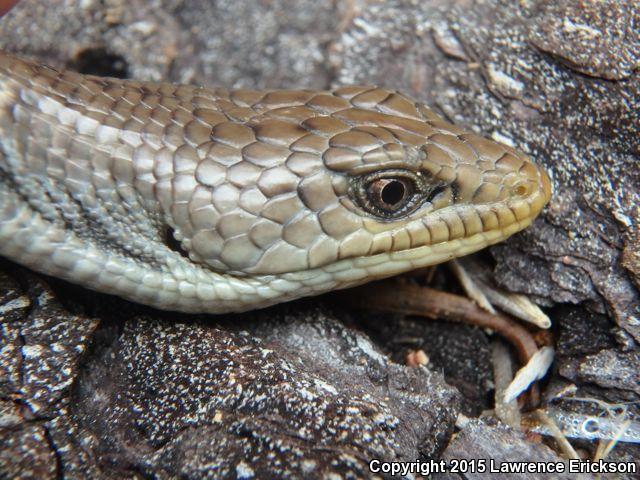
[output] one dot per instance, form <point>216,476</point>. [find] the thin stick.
<point>508,412</point>
<point>412,299</point>
<point>557,434</point>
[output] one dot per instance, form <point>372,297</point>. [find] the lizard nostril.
<point>520,190</point>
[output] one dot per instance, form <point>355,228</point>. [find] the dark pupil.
<point>392,192</point>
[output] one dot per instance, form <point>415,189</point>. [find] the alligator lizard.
<point>212,200</point>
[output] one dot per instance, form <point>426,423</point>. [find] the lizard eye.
<point>392,194</point>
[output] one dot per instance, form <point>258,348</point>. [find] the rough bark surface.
<point>288,391</point>
<point>95,387</point>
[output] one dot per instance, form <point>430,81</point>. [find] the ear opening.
<point>173,244</point>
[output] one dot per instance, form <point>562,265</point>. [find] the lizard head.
<point>360,180</point>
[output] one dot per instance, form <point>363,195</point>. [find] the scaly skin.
<point>271,195</point>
